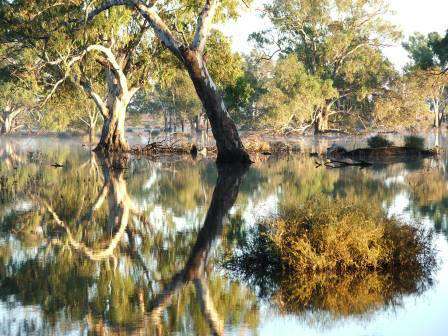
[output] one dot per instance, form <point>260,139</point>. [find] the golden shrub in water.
<point>336,256</point>
<point>339,236</point>
<point>348,294</point>
<point>256,145</point>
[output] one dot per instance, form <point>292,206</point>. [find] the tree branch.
<point>103,7</point>
<point>160,28</point>
<point>116,69</point>
<point>204,24</point>
<point>64,78</point>
<point>133,91</point>
<point>96,98</point>
<point>155,22</point>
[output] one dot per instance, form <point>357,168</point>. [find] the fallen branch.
<point>330,163</point>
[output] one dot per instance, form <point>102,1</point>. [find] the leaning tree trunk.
<point>113,132</point>
<point>228,142</point>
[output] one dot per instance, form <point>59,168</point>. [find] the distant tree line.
<point>318,67</point>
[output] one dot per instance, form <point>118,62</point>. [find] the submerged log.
<point>380,155</point>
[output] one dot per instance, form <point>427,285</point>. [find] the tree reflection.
<point>97,258</point>
<point>134,250</point>
<point>121,208</point>
<point>224,196</point>
<point>297,259</point>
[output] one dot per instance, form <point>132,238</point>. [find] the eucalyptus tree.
<point>401,105</point>
<point>429,58</point>
<point>17,85</point>
<point>427,51</point>
<point>434,86</point>
<point>83,116</point>
<point>175,93</point>
<point>184,32</point>
<point>15,101</point>
<point>182,27</point>
<point>338,44</point>
<point>243,94</point>
<point>110,72</point>
<point>109,59</point>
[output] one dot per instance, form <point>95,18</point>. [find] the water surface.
<point>92,249</point>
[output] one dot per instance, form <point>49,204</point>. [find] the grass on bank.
<point>335,256</point>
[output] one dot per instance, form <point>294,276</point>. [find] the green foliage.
<point>330,68</point>
<point>224,66</point>
<point>428,57</point>
<point>415,142</point>
<point>337,44</point>
<point>378,141</point>
<point>242,97</point>
<point>238,97</point>
<point>293,94</point>
<point>404,103</point>
<point>427,52</point>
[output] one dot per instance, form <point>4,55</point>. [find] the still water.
<point>92,249</point>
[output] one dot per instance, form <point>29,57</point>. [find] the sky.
<point>410,15</point>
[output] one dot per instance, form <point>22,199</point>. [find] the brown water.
<point>91,249</point>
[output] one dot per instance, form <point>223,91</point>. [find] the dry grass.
<point>255,144</point>
<point>335,256</point>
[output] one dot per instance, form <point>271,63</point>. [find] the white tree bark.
<point>8,118</point>
<point>113,107</point>
<point>204,24</point>
<point>230,147</point>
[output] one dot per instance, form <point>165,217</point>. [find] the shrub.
<point>336,256</point>
<point>337,235</point>
<point>415,142</point>
<point>378,141</point>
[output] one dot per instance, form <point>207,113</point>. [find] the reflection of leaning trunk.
<point>208,307</point>
<point>224,196</point>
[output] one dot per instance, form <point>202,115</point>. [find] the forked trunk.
<point>8,120</point>
<point>228,142</point>
<point>113,107</point>
<point>6,126</point>
<point>436,113</point>
<point>113,132</point>
<point>321,122</point>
